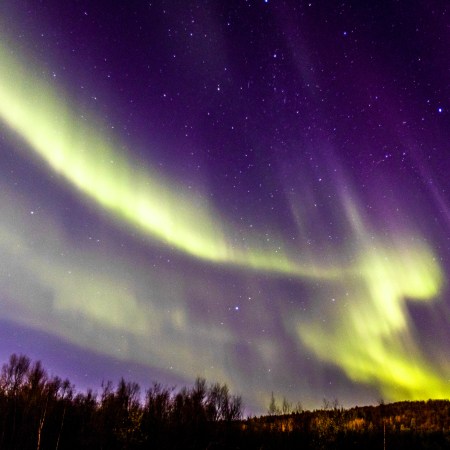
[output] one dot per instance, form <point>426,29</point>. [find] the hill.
<point>408,425</point>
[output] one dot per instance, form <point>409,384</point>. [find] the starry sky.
<point>251,191</point>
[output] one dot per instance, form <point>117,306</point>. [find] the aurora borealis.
<point>251,191</point>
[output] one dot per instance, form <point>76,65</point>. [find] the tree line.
<point>42,412</point>
<point>39,412</point>
<point>410,425</point>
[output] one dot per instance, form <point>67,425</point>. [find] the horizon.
<point>279,407</point>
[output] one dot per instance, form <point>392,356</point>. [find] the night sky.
<point>256,192</point>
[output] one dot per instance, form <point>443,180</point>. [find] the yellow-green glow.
<point>74,148</point>
<point>366,330</point>
<point>92,300</point>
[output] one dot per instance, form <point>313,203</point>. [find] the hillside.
<point>409,425</point>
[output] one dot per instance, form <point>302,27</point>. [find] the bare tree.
<point>273,410</point>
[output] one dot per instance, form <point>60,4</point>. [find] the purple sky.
<point>252,191</point>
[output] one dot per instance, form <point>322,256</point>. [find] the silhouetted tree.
<point>39,412</point>
<point>12,379</point>
<point>273,410</point>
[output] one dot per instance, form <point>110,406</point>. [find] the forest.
<point>38,411</point>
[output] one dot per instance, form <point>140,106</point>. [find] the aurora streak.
<point>344,303</point>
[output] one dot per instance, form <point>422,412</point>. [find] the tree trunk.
<point>41,425</point>
<point>60,429</point>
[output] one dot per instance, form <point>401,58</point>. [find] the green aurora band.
<point>368,332</point>
<point>74,149</point>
